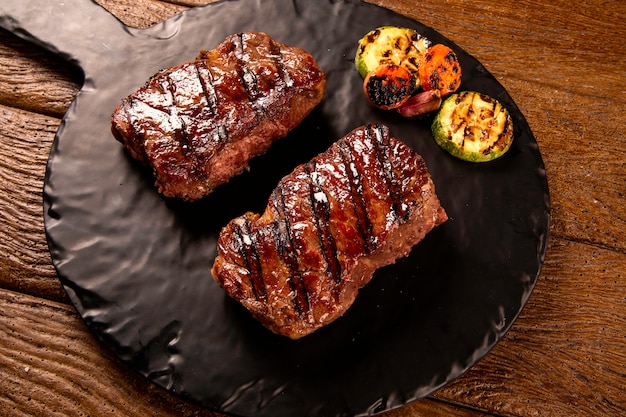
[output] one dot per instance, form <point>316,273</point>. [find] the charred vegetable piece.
<point>391,45</point>
<point>440,70</point>
<point>473,127</point>
<point>421,103</point>
<point>388,86</point>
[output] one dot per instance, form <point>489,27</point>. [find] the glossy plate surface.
<point>137,265</point>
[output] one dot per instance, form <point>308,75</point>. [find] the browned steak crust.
<point>328,226</point>
<point>199,123</point>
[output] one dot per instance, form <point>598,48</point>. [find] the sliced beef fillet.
<point>199,123</point>
<point>328,225</point>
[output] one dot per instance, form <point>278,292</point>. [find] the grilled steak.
<point>199,123</point>
<point>327,227</point>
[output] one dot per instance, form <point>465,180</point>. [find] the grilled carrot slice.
<point>388,86</point>
<point>440,70</point>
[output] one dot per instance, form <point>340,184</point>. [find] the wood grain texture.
<point>584,150</point>
<point>33,79</point>
<point>565,355</point>
<point>26,265</point>
<point>141,14</point>
<point>52,365</point>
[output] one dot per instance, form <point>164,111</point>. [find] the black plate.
<point>137,265</point>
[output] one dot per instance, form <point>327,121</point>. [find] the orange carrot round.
<point>388,86</point>
<point>440,70</point>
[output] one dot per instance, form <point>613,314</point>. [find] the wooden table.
<point>564,63</point>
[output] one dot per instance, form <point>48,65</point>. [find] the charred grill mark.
<point>135,131</point>
<point>171,88</point>
<point>215,141</point>
<point>180,130</point>
<point>238,46</point>
<point>503,137</point>
<point>380,139</point>
<point>221,137</point>
<point>457,115</point>
<point>284,242</point>
<point>164,86</point>
<point>208,88</point>
<point>434,79</point>
<point>364,223</point>
<point>249,82</point>
<point>133,122</point>
<point>137,125</point>
<point>372,36</point>
<point>181,135</point>
<point>321,211</point>
<point>250,255</point>
<point>247,77</point>
<point>277,55</point>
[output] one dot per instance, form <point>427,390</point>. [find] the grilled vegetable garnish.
<point>440,70</point>
<point>421,103</point>
<point>473,126</point>
<point>388,86</point>
<point>391,45</point>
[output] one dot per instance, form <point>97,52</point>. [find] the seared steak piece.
<point>328,226</point>
<point>199,123</point>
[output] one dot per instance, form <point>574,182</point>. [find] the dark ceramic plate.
<point>137,265</point>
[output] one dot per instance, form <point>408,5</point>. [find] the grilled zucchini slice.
<point>473,127</point>
<point>391,45</point>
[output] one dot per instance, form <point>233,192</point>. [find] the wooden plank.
<point>52,365</point>
<point>143,13</point>
<point>430,407</point>
<point>26,265</point>
<point>566,354</point>
<point>586,175</point>
<point>33,79</point>
<point>530,35</point>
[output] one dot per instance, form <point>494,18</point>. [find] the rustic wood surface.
<point>564,63</point>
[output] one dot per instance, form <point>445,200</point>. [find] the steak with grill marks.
<point>328,225</point>
<point>199,123</point>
